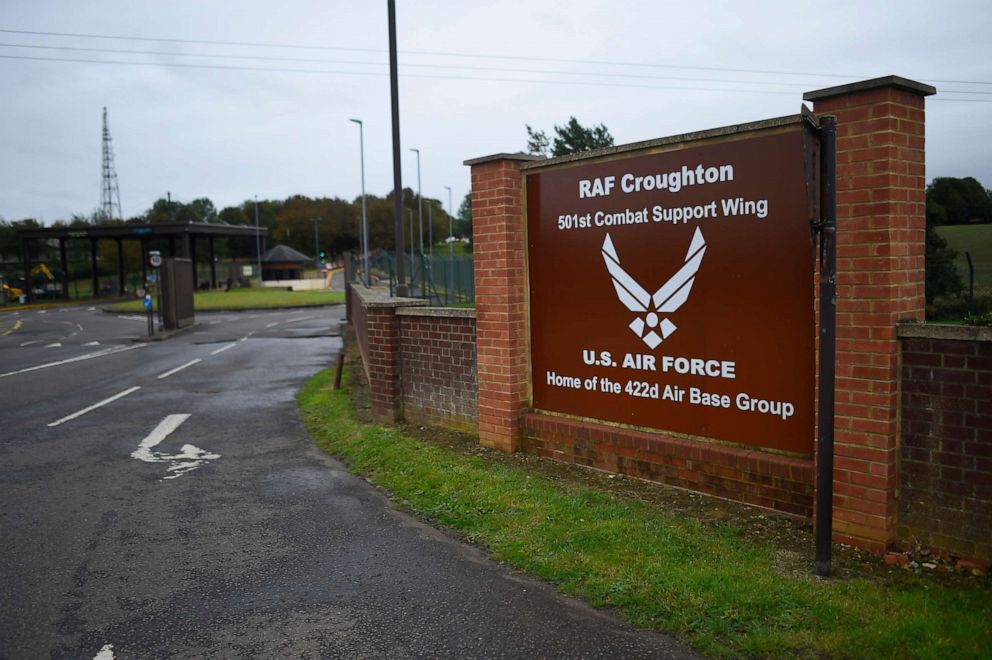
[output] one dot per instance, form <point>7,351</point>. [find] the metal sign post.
<point>828,335</point>
<point>155,261</point>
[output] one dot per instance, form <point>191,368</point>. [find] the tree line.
<point>289,222</point>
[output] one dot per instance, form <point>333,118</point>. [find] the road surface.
<point>163,499</point>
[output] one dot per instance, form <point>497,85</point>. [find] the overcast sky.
<point>472,74</point>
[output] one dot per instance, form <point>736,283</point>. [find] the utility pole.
<point>450,243</point>
<point>420,204</point>
<point>110,198</point>
<point>401,289</point>
<point>430,230</point>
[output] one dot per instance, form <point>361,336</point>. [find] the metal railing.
<point>442,279</point>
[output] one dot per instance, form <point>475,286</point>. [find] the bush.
<point>955,307</point>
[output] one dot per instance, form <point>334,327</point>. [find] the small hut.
<point>283,263</point>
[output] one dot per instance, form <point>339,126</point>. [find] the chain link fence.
<point>444,280</point>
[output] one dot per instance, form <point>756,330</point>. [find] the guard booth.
<point>177,293</point>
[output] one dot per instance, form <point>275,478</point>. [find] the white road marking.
<point>28,343</point>
<point>92,343</point>
<point>178,369</point>
<point>42,311</point>
<point>304,318</point>
<point>132,317</point>
<point>223,348</point>
<point>54,345</point>
<point>189,457</point>
<point>17,324</point>
<point>93,309</point>
<point>82,412</point>
<point>87,356</point>
<point>271,325</point>
<point>106,653</point>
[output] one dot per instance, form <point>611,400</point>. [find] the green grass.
<point>458,249</point>
<point>976,239</point>
<point>716,590</point>
<point>248,298</point>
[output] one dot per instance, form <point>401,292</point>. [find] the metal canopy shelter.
<point>187,233</point>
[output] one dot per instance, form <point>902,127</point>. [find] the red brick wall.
<point>880,275</point>
<point>359,321</point>
<point>373,314</point>
<point>945,482</point>
<point>500,291</point>
<point>769,480</point>
<point>438,366</point>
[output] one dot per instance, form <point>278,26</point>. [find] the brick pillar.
<point>383,363</point>
<point>500,297</point>
<point>881,220</point>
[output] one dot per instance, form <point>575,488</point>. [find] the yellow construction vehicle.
<point>11,292</point>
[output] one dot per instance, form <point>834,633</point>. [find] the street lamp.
<point>365,225</point>
<point>316,241</point>
<point>449,241</point>
<point>420,203</point>
<point>258,244</point>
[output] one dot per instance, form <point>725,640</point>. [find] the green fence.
<point>442,279</point>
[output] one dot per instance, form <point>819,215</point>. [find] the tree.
<point>571,138</point>
<point>234,215</point>
<point>203,209</point>
<point>962,200</point>
<point>942,277</point>
<point>465,216</point>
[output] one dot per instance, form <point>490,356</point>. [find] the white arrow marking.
<point>178,369</point>
<point>82,412</point>
<point>189,457</point>
<point>223,348</point>
<point>106,653</point>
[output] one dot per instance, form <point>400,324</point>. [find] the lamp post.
<point>316,241</point>
<point>365,225</point>
<point>420,203</point>
<point>258,244</point>
<point>450,242</point>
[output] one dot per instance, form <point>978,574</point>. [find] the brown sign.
<point>675,290</point>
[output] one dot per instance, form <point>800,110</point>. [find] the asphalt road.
<point>164,500</point>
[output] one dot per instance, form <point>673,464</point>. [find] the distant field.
<point>249,299</point>
<point>976,239</point>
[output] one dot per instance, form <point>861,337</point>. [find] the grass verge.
<point>718,591</point>
<point>237,299</point>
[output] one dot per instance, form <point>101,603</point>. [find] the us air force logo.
<point>665,300</point>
